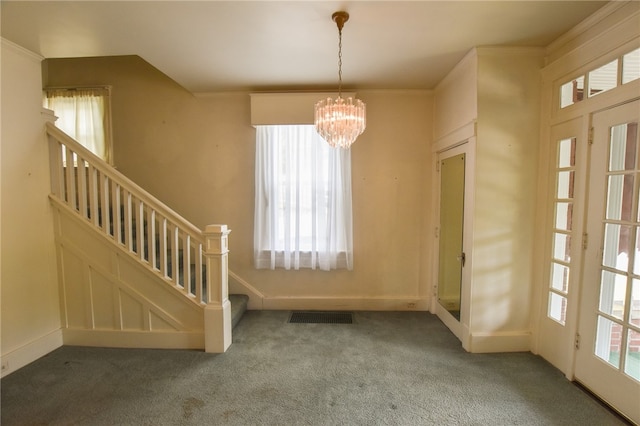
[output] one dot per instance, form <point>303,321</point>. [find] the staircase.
<point>238,307</point>
<point>133,272</point>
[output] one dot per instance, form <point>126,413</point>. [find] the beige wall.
<point>30,306</point>
<point>197,155</point>
<point>456,97</point>
<point>505,182</point>
<point>499,89</point>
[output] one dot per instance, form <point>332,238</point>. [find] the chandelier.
<point>340,121</point>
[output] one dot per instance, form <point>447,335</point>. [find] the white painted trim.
<point>582,27</point>
<point>613,97</point>
<point>466,338</point>
<point>26,354</point>
<point>108,243</point>
<point>134,339</point>
<point>447,319</point>
<point>417,92</point>
<point>217,327</point>
<point>456,137</point>
<point>221,94</point>
<point>512,341</point>
<point>407,303</point>
<point>363,92</point>
<point>593,51</point>
<point>21,50</point>
<point>511,51</point>
<point>48,115</point>
<point>256,298</point>
<point>453,74</point>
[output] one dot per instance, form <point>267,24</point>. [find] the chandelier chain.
<point>340,121</point>
<point>339,62</point>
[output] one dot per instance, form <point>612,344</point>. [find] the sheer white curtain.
<point>303,200</point>
<point>81,115</point>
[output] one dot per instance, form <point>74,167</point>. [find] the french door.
<point>608,356</point>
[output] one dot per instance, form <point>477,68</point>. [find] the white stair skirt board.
<point>134,339</point>
<point>26,354</point>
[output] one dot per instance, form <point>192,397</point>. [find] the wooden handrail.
<point>142,225</point>
<point>121,179</point>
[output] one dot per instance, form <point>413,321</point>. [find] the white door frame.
<point>461,329</point>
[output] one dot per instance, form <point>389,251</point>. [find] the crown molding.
<point>8,44</point>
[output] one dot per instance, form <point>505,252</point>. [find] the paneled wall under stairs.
<point>109,299</point>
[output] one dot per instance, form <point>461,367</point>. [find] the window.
<point>302,200</point>
<point>83,114</point>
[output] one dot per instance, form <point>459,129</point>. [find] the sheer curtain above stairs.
<point>132,272</point>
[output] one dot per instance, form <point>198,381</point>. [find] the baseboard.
<point>514,341</point>
<point>134,339</point>
<point>30,352</point>
<point>345,304</point>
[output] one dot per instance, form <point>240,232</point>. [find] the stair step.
<point>238,307</point>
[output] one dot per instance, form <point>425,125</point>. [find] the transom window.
<point>622,70</point>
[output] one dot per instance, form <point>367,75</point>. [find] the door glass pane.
<point>616,246</point>
<point>557,307</point>
<point>559,277</point>
<point>565,184</point>
<point>636,262</point>
<point>622,154</point>
<point>632,360</point>
<point>631,66</point>
<point>612,293</point>
<point>603,78</point>
<point>608,336</point>
<point>564,212</point>
<point>619,197</point>
<point>561,236</point>
<point>567,153</point>
<point>562,247</point>
<point>634,315</point>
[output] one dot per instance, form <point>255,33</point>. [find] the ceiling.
<point>209,46</point>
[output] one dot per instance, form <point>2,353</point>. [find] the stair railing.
<point>136,221</point>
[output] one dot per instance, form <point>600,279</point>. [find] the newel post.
<point>217,313</point>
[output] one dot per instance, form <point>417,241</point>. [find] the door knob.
<point>462,258</point>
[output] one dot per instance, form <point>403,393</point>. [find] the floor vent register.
<point>313,317</point>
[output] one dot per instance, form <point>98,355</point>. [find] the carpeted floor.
<point>385,369</point>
